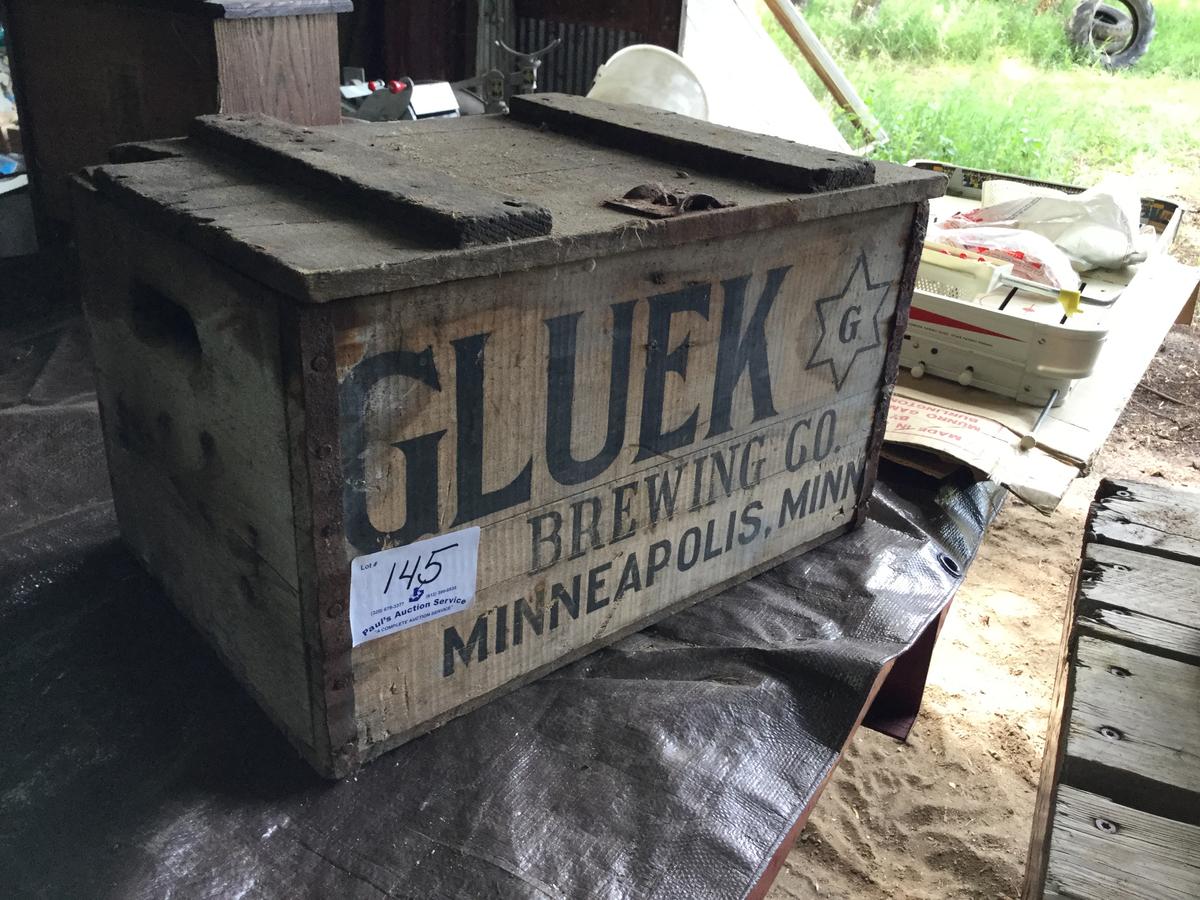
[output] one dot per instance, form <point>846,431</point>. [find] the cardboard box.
<point>405,415</point>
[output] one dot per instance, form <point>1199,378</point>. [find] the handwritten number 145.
<point>421,573</point>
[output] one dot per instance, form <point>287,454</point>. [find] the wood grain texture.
<point>91,75</point>
<point>284,66</point>
<point>422,203</point>
<point>1151,702</point>
<point>1148,601</point>
<point>191,399</point>
<point>635,415</point>
<point>1033,886</point>
<point>307,341</point>
<point>687,142</point>
<point>216,9</point>
<point>303,245</point>
<point>1148,518</point>
<point>1102,851</point>
<point>1122,746</point>
<point>402,682</point>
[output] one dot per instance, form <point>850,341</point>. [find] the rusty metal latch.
<point>657,202</point>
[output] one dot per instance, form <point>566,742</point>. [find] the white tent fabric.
<point>749,82</point>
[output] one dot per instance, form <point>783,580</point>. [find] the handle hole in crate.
<point>160,322</point>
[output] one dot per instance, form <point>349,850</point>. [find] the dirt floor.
<point>947,814</point>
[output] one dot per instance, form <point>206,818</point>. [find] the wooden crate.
<point>1118,806</point>
<point>320,348</point>
<point>90,75</point>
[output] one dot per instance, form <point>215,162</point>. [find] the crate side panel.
<point>188,373</point>
<point>493,402</point>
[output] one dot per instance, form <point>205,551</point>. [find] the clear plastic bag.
<point>1097,228</point>
<point>1033,256</point>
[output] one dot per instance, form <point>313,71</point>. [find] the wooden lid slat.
<point>689,142</point>
<point>433,208</point>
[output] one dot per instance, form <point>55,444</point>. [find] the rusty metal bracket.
<point>657,202</point>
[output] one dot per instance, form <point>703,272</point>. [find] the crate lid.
<point>322,213</point>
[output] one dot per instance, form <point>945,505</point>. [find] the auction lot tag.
<point>398,588</point>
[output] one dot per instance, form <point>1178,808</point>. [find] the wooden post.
<point>97,74</point>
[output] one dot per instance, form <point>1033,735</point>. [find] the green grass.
<point>992,84</point>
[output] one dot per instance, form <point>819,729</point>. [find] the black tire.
<point>1118,33</point>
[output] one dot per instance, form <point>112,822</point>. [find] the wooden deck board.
<point>1118,807</point>
<point>1143,857</point>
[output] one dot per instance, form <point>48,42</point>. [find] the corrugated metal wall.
<point>571,66</point>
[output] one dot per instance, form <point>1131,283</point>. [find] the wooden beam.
<point>283,66</point>
<point>419,201</point>
<point>1103,851</point>
<point>685,141</point>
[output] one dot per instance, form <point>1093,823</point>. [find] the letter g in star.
<point>849,322</point>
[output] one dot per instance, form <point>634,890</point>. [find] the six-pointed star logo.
<point>849,322</point>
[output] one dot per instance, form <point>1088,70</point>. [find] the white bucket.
<point>652,76</point>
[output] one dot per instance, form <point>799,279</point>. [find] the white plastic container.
<point>651,76</point>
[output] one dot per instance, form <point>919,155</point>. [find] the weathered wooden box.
<point>406,415</point>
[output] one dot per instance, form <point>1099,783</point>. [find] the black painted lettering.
<point>631,577</point>
<point>721,471</point>
<point>624,525</point>
<point>793,506</point>
<point>659,558</point>
<point>855,469</point>
<point>661,492</point>
<point>568,600</point>
<point>831,486</point>
<point>744,479</point>
<point>538,538</point>
<point>826,429</point>
<point>738,353</point>
<point>848,329</point>
<point>473,502</point>
<point>697,481</point>
<point>476,645</point>
<point>579,528</point>
<point>560,396</point>
<point>595,586</point>
<point>710,533</point>
<point>688,557</point>
<point>501,629</point>
<point>660,361</point>
<point>797,445</point>
<point>525,614</point>
<point>420,454</point>
<point>753,522</point>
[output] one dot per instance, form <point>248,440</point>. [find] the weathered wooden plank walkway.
<point>1118,809</point>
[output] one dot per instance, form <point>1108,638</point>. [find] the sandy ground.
<point>947,814</point>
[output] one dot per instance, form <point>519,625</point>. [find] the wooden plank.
<point>1136,712</point>
<point>309,374</point>
<point>191,397</point>
<point>579,447</point>
<point>1149,601</point>
<point>343,256</point>
<point>688,142</point>
<point>216,9</point>
<point>1148,518</point>
<point>423,203</point>
<point>284,66</point>
<point>1034,885</point>
<point>1102,851</point>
